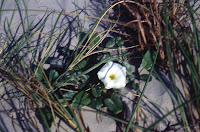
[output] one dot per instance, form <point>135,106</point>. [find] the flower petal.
<point>101,74</point>
<point>116,69</point>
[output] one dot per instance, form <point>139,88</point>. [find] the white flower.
<point>113,75</point>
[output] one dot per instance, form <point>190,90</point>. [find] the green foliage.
<point>144,77</point>
<point>44,117</point>
<point>135,86</point>
<point>128,66</point>
<point>82,64</point>
<point>97,103</point>
<point>114,104</point>
<point>48,116</point>
<point>61,76</point>
<point>79,77</point>
<point>96,91</point>
<point>116,90</point>
<point>83,77</point>
<point>113,42</point>
<point>147,60</point>
<point>82,85</point>
<point>69,95</point>
<point>62,102</point>
<point>94,39</point>
<point>80,100</point>
<point>39,74</point>
<point>53,74</point>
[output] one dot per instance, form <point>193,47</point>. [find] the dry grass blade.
<point>25,87</point>
<point>75,61</point>
<point>47,50</point>
<point>50,102</point>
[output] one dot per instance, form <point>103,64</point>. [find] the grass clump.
<point>163,34</point>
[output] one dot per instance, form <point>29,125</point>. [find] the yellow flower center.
<point>112,76</point>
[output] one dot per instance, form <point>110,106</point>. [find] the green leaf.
<point>147,61</point>
<point>62,102</point>
<point>59,84</point>
<point>53,75</point>
<point>144,77</point>
<point>135,86</point>
<point>82,85</point>
<point>84,77</point>
<point>128,66</point>
<point>82,64</point>
<point>42,116</point>
<point>80,100</point>
<point>119,41</point>
<point>94,39</point>
<point>69,95</point>
<point>80,103</point>
<point>114,104</point>
<point>116,90</point>
<point>97,103</point>
<point>110,43</point>
<point>130,78</point>
<point>48,116</point>
<point>96,91</point>
<point>39,74</point>
<point>81,95</point>
<point>114,41</point>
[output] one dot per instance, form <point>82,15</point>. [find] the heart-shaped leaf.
<point>130,78</point>
<point>80,103</point>
<point>81,95</point>
<point>144,77</point>
<point>80,100</point>
<point>128,66</point>
<point>147,61</point>
<point>69,95</point>
<point>119,41</point>
<point>96,91</point>
<point>97,103</point>
<point>116,41</point>
<point>110,43</point>
<point>39,74</point>
<point>114,104</point>
<point>135,86</point>
<point>82,64</point>
<point>82,85</point>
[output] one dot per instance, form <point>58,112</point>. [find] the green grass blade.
<point>192,68</point>
<point>178,107</point>
<point>42,117</point>
<point>195,33</point>
<point>142,93</point>
<point>169,56</point>
<point>94,67</point>
<point>114,118</point>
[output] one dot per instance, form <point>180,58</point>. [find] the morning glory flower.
<point>113,75</point>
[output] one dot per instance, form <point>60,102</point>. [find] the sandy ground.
<point>10,112</point>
